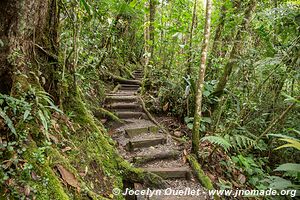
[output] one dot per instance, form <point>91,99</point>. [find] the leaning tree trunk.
<point>235,52</point>
<point>215,52</point>
<point>200,82</point>
<point>29,36</point>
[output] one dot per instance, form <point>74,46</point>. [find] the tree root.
<point>110,115</point>
<point>116,88</point>
<point>158,124</point>
<point>203,179</point>
<point>137,175</point>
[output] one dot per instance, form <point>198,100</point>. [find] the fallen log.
<point>122,80</point>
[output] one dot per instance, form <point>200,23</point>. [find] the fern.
<point>218,140</point>
<point>239,141</point>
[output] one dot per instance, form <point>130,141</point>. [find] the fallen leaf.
<point>55,126</point>
<point>177,133</point>
<point>185,152</point>
<point>82,174</point>
<point>34,176</point>
<point>86,170</point>
<point>242,179</point>
<point>235,184</point>
<point>165,107</point>
<point>184,159</point>
<point>68,177</point>
<point>103,121</point>
<point>6,164</point>
<point>212,177</point>
<point>27,190</point>
<point>66,149</point>
<point>54,139</point>
<point>9,182</point>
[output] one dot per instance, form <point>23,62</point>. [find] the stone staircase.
<point>142,143</point>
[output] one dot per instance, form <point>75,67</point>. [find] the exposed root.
<point>158,124</point>
<point>137,175</point>
<point>110,115</point>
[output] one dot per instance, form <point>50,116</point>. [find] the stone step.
<point>134,82</point>
<point>172,172</point>
<point>169,154</point>
<point>122,93</point>
<point>132,132</point>
<point>130,85</point>
<point>120,107</point>
<point>129,89</point>
<point>117,98</point>
<point>134,115</point>
<point>142,143</point>
<point>123,105</point>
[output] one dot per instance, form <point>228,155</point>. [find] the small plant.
<point>290,171</point>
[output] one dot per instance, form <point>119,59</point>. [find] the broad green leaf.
<point>133,3</point>
<point>279,183</point>
<point>206,119</point>
<point>190,126</point>
<point>8,122</point>
<point>292,143</point>
<point>288,167</point>
<point>26,114</point>
<point>86,6</point>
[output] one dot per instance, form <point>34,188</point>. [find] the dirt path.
<point>144,145</point>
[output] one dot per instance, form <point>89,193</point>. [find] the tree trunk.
<point>235,52</point>
<point>152,7</point>
<point>215,52</point>
<point>29,33</point>
<point>189,59</point>
<point>200,82</point>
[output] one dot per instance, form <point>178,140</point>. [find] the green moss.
<point>204,180</point>
<point>200,174</point>
<point>49,187</point>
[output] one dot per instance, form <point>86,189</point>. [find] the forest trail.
<point>144,145</point>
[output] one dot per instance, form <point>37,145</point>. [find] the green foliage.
<point>239,141</point>
<point>14,111</point>
<point>253,169</point>
<point>290,170</point>
<point>288,167</point>
<point>217,140</point>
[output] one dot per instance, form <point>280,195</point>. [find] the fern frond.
<point>239,141</point>
<point>218,140</point>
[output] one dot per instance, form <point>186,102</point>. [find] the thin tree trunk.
<point>189,59</point>
<point>146,39</point>
<point>215,52</point>
<point>200,82</point>
<point>235,52</point>
<point>152,7</point>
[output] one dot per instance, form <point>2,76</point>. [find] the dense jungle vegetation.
<point>227,70</point>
